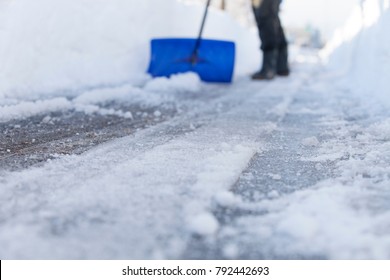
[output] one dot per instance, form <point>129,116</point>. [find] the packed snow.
<point>295,168</point>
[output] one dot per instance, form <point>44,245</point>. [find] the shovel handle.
<point>204,19</point>
<point>194,57</point>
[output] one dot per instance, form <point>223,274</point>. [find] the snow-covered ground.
<point>296,168</point>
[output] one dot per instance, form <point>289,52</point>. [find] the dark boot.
<point>282,68</point>
<point>268,70</point>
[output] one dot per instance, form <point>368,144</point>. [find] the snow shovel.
<point>212,60</point>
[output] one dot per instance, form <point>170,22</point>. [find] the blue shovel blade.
<point>215,61</point>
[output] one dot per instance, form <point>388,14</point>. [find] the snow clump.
<point>204,224</point>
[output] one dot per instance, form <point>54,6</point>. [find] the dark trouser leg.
<point>273,41</point>
<point>268,23</point>
<point>282,67</point>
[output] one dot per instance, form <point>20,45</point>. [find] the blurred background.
<point>307,22</point>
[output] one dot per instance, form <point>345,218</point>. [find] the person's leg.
<point>269,28</point>
<point>282,67</point>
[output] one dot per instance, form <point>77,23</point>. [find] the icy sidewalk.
<point>144,195</point>
<point>319,190</point>
<point>280,170</point>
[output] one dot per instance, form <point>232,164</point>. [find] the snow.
<point>273,194</point>
<point>380,130</point>
<point>89,101</point>
<point>28,109</point>
<point>57,48</point>
<point>311,141</point>
<point>296,168</point>
<point>361,49</point>
<point>204,224</point>
<point>226,199</point>
<point>84,103</point>
<point>333,217</point>
<point>276,177</point>
<point>231,251</point>
<point>157,196</point>
<point>189,82</point>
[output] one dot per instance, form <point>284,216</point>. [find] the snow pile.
<point>60,47</point>
<point>28,109</point>
<point>362,49</point>
<point>91,101</point>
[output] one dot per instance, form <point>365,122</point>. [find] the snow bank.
<point>361,49</point>
<point>59,47</point>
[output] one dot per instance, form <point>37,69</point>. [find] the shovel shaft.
<point>204,19</point>
<point>194,57</point>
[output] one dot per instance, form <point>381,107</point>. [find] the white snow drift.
<point>361,50</point>
<point>62,47</point>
